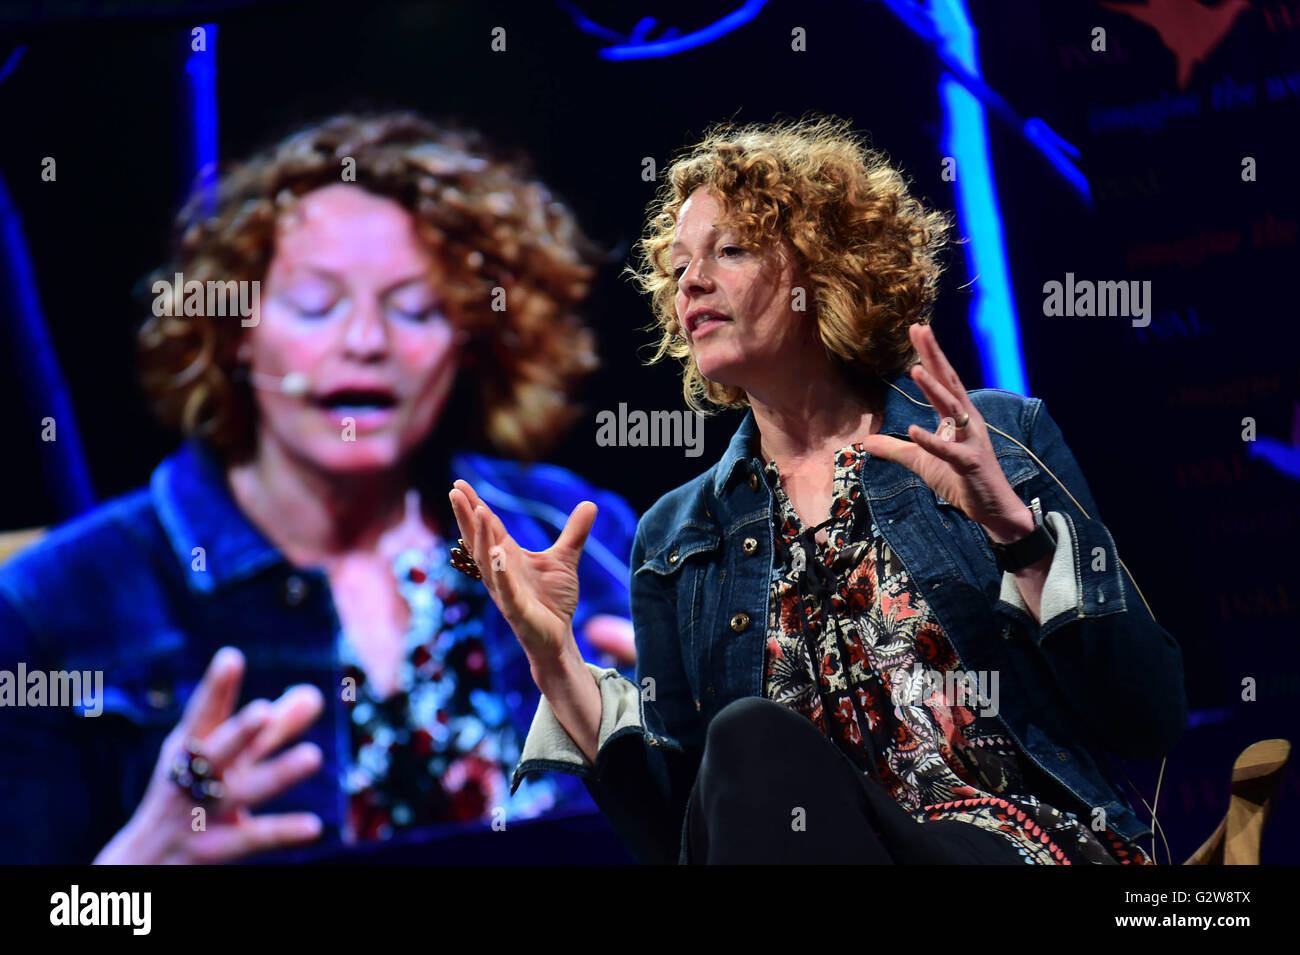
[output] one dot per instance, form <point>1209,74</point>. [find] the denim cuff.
<point>1084,569</point>
<point>549,746</point>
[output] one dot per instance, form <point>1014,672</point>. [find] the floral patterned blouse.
<point>438,749</point>
<point>852,645</point>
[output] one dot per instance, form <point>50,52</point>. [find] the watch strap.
<point>1030,549</point>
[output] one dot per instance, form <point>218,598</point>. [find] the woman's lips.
<point>364,409</point>
<point>363,418</point>
<point>705,325</point>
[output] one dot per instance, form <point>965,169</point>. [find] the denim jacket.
<point>120,590</point>
<point>1097,675</point>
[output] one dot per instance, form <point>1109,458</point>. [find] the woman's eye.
<point>415,302</point>
<point>417,315</point>
<point>312,299</point>
<point>315,308</point>
<point>729,249</point>
<point>678,273</point>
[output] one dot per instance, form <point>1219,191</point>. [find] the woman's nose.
<point>696,279</point>
<point>366,333</point>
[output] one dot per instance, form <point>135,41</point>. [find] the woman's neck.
<point>314,517</point>
<point>809,418</point>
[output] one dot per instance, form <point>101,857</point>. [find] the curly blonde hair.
<point>869,249</point>
<point>485,221</point>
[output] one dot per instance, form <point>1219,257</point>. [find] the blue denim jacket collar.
<point>196,509</point>
<point>899,413</point>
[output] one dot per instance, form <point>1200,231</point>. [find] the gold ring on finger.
<point>463,560</point>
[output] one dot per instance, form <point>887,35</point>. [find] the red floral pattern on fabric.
<point>439,749</point>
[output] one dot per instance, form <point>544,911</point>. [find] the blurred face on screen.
<point>351,315</point>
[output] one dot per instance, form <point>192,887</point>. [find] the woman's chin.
<point>367,455</point>
<point>727,373</point>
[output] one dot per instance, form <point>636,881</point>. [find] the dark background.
<point>1153,415</point>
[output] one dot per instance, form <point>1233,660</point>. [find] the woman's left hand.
<point>958,463</point>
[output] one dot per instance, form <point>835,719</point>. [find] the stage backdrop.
<point>1184,412</point>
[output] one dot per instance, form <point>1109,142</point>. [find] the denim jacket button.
<point>753,481</point>
<point>651,741</point>
<point>740,621</point>
<point>1062,755</point>
<point>672,558</point>
<point>749,546</point>
<point>295,590</point>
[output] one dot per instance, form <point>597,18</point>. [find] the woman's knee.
<point>754,732</point>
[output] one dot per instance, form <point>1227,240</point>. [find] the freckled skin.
<point>753,288</point>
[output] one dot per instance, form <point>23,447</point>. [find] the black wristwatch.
<point>1030,549</point>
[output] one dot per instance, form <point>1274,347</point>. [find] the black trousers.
<point>773,789</point>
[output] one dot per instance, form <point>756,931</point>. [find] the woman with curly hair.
<point>413,311</point>
<point>887,626</point>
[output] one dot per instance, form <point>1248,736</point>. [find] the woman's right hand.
<point>536,591</point>
<point>165,828</point>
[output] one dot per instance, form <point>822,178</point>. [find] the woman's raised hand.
<point>165,827</point>
<point>958,463</point>
<point>536,591</point>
